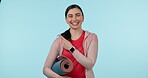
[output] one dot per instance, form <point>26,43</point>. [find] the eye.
<point>70,16</point>
<point>78,14</point>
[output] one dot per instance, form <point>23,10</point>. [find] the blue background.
<point>28,28</point>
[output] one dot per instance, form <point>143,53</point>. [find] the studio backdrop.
<point>28,28</point>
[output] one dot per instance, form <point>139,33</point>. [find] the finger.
<point>62,37</point>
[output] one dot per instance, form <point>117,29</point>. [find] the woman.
<point>80,46</point>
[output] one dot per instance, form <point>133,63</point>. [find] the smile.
<point>75,23</point>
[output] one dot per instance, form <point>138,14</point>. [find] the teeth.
<point>75,23</point>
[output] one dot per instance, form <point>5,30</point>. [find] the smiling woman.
<point>80,46</point>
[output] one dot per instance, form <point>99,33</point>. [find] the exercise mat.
<point>62,65</point>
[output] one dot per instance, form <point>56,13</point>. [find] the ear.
<point>82,18</point>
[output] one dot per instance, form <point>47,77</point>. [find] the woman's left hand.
<point>66,44</point>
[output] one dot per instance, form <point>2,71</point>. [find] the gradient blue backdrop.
<point>28,28</point>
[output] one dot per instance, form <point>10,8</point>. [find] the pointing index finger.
<point>62,37</point>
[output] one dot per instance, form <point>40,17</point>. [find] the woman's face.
<point>74,18</point>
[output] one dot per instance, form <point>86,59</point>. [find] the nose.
<point>74,18</point>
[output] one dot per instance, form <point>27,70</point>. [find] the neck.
<point>75,33</point>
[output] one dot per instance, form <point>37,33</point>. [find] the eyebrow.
<point>78,13</point>
<point>75,14</point>
<point>69,14</point>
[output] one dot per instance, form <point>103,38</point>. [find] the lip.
<point>75,23</point>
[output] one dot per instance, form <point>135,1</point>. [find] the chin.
<point>74,27</point>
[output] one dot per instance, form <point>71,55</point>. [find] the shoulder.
<point>90,35</point>
<point>57,41</point>
<point>93,35</point>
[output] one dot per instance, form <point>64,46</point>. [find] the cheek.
<point>68,21</point>
<point>80,18</point>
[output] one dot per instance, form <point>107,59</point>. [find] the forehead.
<point>74,11</point>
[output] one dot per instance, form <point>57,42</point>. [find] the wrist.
<point>72,49</point>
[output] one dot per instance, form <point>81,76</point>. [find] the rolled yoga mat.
<point>62,66</point>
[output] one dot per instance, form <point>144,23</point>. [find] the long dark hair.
<point>67,34</point>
